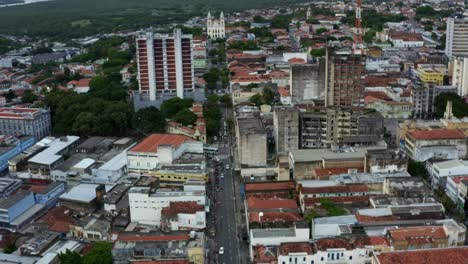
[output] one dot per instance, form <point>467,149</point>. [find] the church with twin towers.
<point>215,28</point>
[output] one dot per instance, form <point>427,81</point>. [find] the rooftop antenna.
<point>358,46</point>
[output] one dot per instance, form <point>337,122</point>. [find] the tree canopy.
<point>185,117</point>
<point>149,120</point>
<point>459,106</point>
<point>171,107</point>
<point>212,114</point>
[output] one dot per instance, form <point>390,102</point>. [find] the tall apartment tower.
<point>165,65</point>
<point>456,42</point>
<point>460,75</point>
<point>344,77</point>
<point>286,128</point>
<point>215,28</point>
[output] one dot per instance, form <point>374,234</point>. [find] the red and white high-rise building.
<point>165,64</point>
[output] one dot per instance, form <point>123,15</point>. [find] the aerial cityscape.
<point>233,132</point>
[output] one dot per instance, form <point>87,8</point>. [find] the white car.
<point>227,166</point>
<point>221,250</point>
<point>221,176</point>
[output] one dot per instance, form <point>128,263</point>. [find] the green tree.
<point>309,217</point>
<point>428,28</point>
<point>320,52</point>
<point>171,107</point>
<point>149,120</point>
<point>10,95</point>
<point>211,78</point>
<point>212,115</point>
<point>185,117</point>
<point>100,254</point>
<point>10,248</point>
<point>70,257</point>
<point>459,106</point>
<point>226,100</point>
<point>267,96</point>
<point>244,45</point>
<point>256,99</point>
<point>369,36</point>
<point>29,97</point>
<point>319,31</point>
<point>417,169</point>
<point>281,21</point>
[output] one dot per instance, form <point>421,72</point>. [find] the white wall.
<point>356,256</point>
<point>301,235</point>
<point>146,209</point>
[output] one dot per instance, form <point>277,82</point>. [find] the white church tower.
<point>309,13</point>
<point>215,28</point>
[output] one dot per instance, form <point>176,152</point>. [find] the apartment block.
<point>16,121</point>
<point>344,77</point>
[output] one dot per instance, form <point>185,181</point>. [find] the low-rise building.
<point>440,171</point>
<point>147,203</point>
<point>410,238</point>
<point>17,121</point>
<point>385,161</point>
<point>183,216</point>
<point>453,255</point>
<point>160,149</point>
<point>424,144</point>
<point>18,210</point>
<point>85,197</point>
<point>40,165</point>
<point>116,199</point>
<point>153,247</point>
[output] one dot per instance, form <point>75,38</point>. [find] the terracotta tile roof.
<point>406,93</point>
<point>311,202</point>
<point>152,237</point>
<point>327,243</point>
<point>275,217</point>
<point>175,208</point>
<point>436,134</point>
<point>297,61</point>
<point>264,254</point>
<point>363,241</point>
<point>417,235</point>
<point>283,91</point>
<point>379,95</point>
<point>257,204</point>
<point>335,189</point>
<point>151,143</point>
<point>367,218</point>
<point>458,179</point>
<point>406,36</point>
<point>379,81</point>
<point>281,195</point>
<point>269,186</point>
<point>455,255</point>
<point>300,247</point>
<point>58,219</point>
<point>80,83</point>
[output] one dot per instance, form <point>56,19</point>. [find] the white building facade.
<point>215,28</point>
<point>146,204</point>
<point>456,42</point>
<point>460,75</point>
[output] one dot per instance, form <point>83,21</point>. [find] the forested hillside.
<point>75,18</point>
